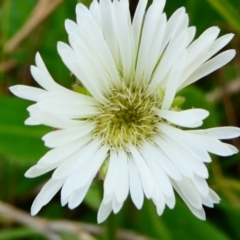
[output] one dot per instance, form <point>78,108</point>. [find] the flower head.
<point>122,118</point>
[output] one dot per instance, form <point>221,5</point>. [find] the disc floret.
<point>129,117</point>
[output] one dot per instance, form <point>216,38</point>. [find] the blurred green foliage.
<point>21,146</point>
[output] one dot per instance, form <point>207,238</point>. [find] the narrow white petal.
<point>162,179</point>
<point>213,145</point>
<point>185,159</point>
<point>168,59</point>
<point>187,118</point>
<point>95,11</point>
<point>77,160</point>
<point>32,121</point>
<point>215,198</point>
<point>40,64</point>
<point>46,194</point>
<point>45,80</point>
<point>201,185</point>
<point>188,192</point>
<point>170,201</point>
<point>61,137</point>
<point>78,69</point>
<point>177,156</point>
<point>173,81</point>
<point>90,63</point>
<point>91,167</point>
<point>54,120</point>
<point>57,154</point>
<point>116,205</point>
<point>219,132</point>
<point>158,155</point>
<point>138,22</point>
<point>124,34</point>
<point>95,41</point>
<point>145,173</point>
<point>73,110</point>
<point>69,97</point>
<point>152,23</point>
<point>220,43</point>
<point>122,186</point>
<point>112,174</point>
<point>136,190</point>
<point>210,66</point>
<point>207,201</point>
<point>54,159</point>
<point>77,196</point>
<point>103,212</point>
<point>29,93</point>
<point>186,142</point>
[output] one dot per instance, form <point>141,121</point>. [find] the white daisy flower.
<point>128,126</point>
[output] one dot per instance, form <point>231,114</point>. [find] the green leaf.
<point>17,233</point>
<point>17,140</point>
<point>228,11</point>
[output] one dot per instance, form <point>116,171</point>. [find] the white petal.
<point>78,69</point>
<point>40,64</point>
<point>136,190</point>
<point>210,66</point>
<point>177,156</point>
<point>73,110</point>
<point>124,34</point>
<point>168,59</point>
<point>95,41</point>
<point>219,132</point>
<point>215,198</point>
<point>69,97</point>
<point>116,205</point>
<point>61,137</point>
<point>103,212</point>
<point>53,159</point>
<point>156,153</point>
<point>183,159</point>
<point>91,65</point>
<point>32,121</point>
<point>173,81</point>
<point>91,167</point>
<point>45,195</point>
<point>54,120</point>
<point>112,174</point>
<point>185,141</point>
<point>170,201</point>
<point>122,186</point>
<point>186,118</point>
<point>201,185</point>
<point>213,145</point>
<point>29,93</point>
<point>138,22</point>
<point>45,80</point>
<point>188,192</point>
<point>95,11</point>
<point>162,179</point>
<point>77,160</point>
<point>145,173</point>
<point>152,24</point>
<point>77,196</point>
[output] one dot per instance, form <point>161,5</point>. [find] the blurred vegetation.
<point>28,26</point>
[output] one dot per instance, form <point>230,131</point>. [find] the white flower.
<point>131,119</point>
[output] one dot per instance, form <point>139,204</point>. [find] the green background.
<point>21,146</point>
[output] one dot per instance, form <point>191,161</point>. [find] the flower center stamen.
<point>129,117</point>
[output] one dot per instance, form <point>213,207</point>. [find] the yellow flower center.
<point>129,117</point>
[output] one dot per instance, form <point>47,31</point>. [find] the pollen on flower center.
<point>128,118</point>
